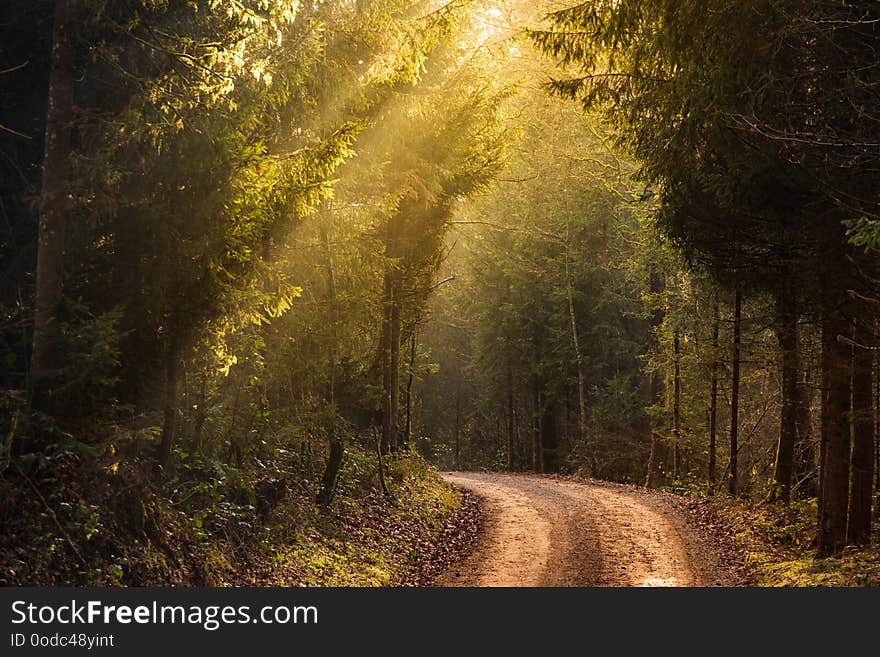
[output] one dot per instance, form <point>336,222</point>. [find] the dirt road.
<point>542,531</point>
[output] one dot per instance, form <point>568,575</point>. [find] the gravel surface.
<point>562,531</point>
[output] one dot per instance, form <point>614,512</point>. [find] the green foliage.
<point>214,524</point>
<point>92,356</point>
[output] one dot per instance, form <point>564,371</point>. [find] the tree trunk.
<point>331,471</point>
<point>201,416</point>
<point>805,464</point>
<point>457,436</point>
<point>876,432</point>
<point>169,425</point>
<point>511,422</point>
<point>549,438</point>
<point>713,393</point>
<point>657,455</point>
<point>337,446</point>
<point>537,461</point>
<point>53,199</point>
<point>733,479</point>
<point>407,428</point>
<point>858,530</point>
<point>579,359</point>
<point>787,335</point>
<point>385,359</point>
<point>676,406</point>
<point>835,442</point>
<point>394,378</point>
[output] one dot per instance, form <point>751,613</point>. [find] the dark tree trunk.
<point>549,438</point>
<point>676,406</point>
<point>858,530</point>
<point>575,341</point>
<point>787,335</point>
<point>385,360</point>
<point>337,446</point>
<point>876,432</point>
<point>835,443</point>
<point>232,434</point>
<point>407,428</point>
<point>457,436</point>
<point>537,460</point>
<point>394,378</point>
<point>657,455</point>
<point>331,471</point>
<point>511,421</point>
<point>53,199</point>
<point>517,440</point>
<point>732,477</point>
<point>169,425</point>
<point>713,394</point>
<point>201,416</point>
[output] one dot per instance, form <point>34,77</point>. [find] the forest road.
<point>545,531</point>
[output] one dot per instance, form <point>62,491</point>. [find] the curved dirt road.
<point>542,531</point>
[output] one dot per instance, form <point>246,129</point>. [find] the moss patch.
<point>778,546</point>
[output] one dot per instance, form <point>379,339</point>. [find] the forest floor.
<point>777,544</point>
<point>564,531</point>
<point>70,518</point>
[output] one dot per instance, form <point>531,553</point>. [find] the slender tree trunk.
<point>169,425</point>
<point>876,431</point>
<point>733,479</point>
<point>657,455</point>
<point>579,359</point>
<point>53,198</point>
<point>457,436</point>
<point>858,530</point>
<point>331,470</point>
<point>394,397</point>
<point>382,483</point>
<point>537,458</point>
<point>407,429</point>
<point>201,416</point>
<point>805,466</point>
<point>517,440</point>
<point>835,442</point>
<point>713,394</point>
<point>787,335</point>
<point>337,446</point>
<point>385,359</point>
<point>549,437</point>
<point>676,406</point>
<point>511,422</point>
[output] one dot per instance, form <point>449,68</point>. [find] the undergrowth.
<point>778,545</point>
<point>98,514</point>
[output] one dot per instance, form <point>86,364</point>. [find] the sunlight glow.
<point>659,582</point>
<point>488,23</point>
